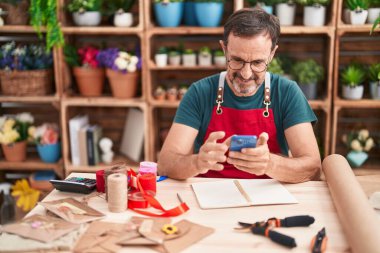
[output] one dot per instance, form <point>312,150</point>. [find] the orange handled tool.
<point>319,242</point>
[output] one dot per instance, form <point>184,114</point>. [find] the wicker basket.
<point>26,83</point>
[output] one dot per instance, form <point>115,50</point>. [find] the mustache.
<point>237,74</point>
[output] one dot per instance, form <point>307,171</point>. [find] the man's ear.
<point>273,53</point>
<point>221,42</point>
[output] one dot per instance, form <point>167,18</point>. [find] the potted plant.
<point>14,135</point>
<point>121,70</point>
<point>25,70</point>
<point>46,137</point>
<point>45,14</point>
<point>161,57</point>
<point>168,12</point>
<point>266,5</point>
<point>209,12</point>
<point>353,78</point>
<point>182,91</point>
<point>174,57</point>
<point>275,66</point>
<point>219,58</point>
<point>172,94</point>
<point>286,12</point>
<point>205,56</point>
<point>374,80</point>
<point>189,58</point>
<point>373,11</point>
<point>120,11</point>
<point>314,12</point>
<point>308,73</point>
<point>358,11</point>
<point>17,11</point>
<point>359,143</point>
<point>86,12</point>
<point>88,74</point>
<point>159,93</point>
<point>375,24</point>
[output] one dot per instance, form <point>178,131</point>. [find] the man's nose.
<point>246,71</point>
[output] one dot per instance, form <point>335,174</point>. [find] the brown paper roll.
<point>359,221</point>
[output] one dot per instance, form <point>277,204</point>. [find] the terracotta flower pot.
<point>90,81</point>
<point>122,85</point>
<point>15,152</point>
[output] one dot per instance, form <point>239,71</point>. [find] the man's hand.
<point>253,160</point>
<point>211,153</point>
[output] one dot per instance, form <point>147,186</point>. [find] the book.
<point>75,124</point>
<point>133,135</point>
<point>241,192</point>
<point>82,139</point>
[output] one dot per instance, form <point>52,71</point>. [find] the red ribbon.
<point>153,202</point>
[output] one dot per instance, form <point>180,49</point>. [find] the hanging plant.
<point>44,13</point>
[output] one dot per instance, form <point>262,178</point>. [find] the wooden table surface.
<point>314,199</point>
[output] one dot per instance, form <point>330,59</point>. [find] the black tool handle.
<point>275,236</point>
<point>297,221</point>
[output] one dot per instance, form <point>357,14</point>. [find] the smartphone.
<point>243,141</point>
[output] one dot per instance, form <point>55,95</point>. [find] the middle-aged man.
<point>244,100</point>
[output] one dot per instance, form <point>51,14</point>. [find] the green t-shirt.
<point>289,105</point>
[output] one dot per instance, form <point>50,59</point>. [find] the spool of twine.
<point>117,168</point>
<point>117,192</point>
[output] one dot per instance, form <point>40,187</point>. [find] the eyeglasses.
<point>256,66</point>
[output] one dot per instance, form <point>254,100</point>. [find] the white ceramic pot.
<point>375,90</point>
<point>189,60</point>
<point>314,15</point>
<point>286,13</point>
<point>175,60</point>
<point>373,14</point>
<point>88,18</point>
<point>123,19</point>
<point>353,93</point>
<point>358,17</point>
<point>204,60</point>
<point>220,61</point>
<point>161,60</point>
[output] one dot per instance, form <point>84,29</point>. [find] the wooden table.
<point>314,199</point>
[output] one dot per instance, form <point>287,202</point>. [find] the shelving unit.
<point>327,45</point>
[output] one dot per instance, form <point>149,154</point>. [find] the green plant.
<point>313,2</point>
<point>218,52</point>
<point>307,72</point>
<point>353,75</point>
<point>374,72</point>
<point>163,1</point>
<point>275,66</point>
<point>71,56</point>
<point>188,51</point>
<point>44,13</point>
<point>111,7</point>
<point>357,5</point>
<point>375,24</point>
<point>162,50</point>
<point>374,3</point>
<point>253,3</point>
<point>205,51</point>
<point>174,52</point>
<point>84,5</point>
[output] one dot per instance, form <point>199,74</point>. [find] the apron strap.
<point>267,95</point>
<point>219,96</point>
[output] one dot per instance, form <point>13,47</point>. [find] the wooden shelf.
<point>370,167</point>
<point>103,101</point>
<point>184,30</point>
<point>19,29</point>
<point>164,103</point>
<point>153,66</point>
<point>343,28</point>
<point>30,99</point>
<point>362,103</point>
<point>297,30</point>
<point>99,30</point>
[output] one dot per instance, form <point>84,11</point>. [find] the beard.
<point>247,87</point>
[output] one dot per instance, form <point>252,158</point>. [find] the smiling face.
<point>257,51</point>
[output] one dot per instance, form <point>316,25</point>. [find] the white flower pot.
<point>353,93</point>
<point>375,90</point>
<point>189,60</point>
<point>204,60</point>
<point>286,13</point>
<point>175,60</point>
<point>358,17</point>
<point>373,14</point>
<point>88,18</point>
<point>314,15</point>
<point>161,60</point>
<point>220,61</point>
<point>124,19</point>
<point>347,16</point>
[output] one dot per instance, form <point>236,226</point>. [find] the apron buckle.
<point>266,112</point>
<point>219,107</point>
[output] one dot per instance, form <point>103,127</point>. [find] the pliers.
<point>265,228</point>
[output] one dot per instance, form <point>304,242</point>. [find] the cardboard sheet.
<point>359,221</point>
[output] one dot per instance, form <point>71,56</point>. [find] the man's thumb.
<point>263,138</point>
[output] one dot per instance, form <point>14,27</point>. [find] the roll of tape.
<point>100,181</point>
<point>148,182</point>
<point>137,200</point>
